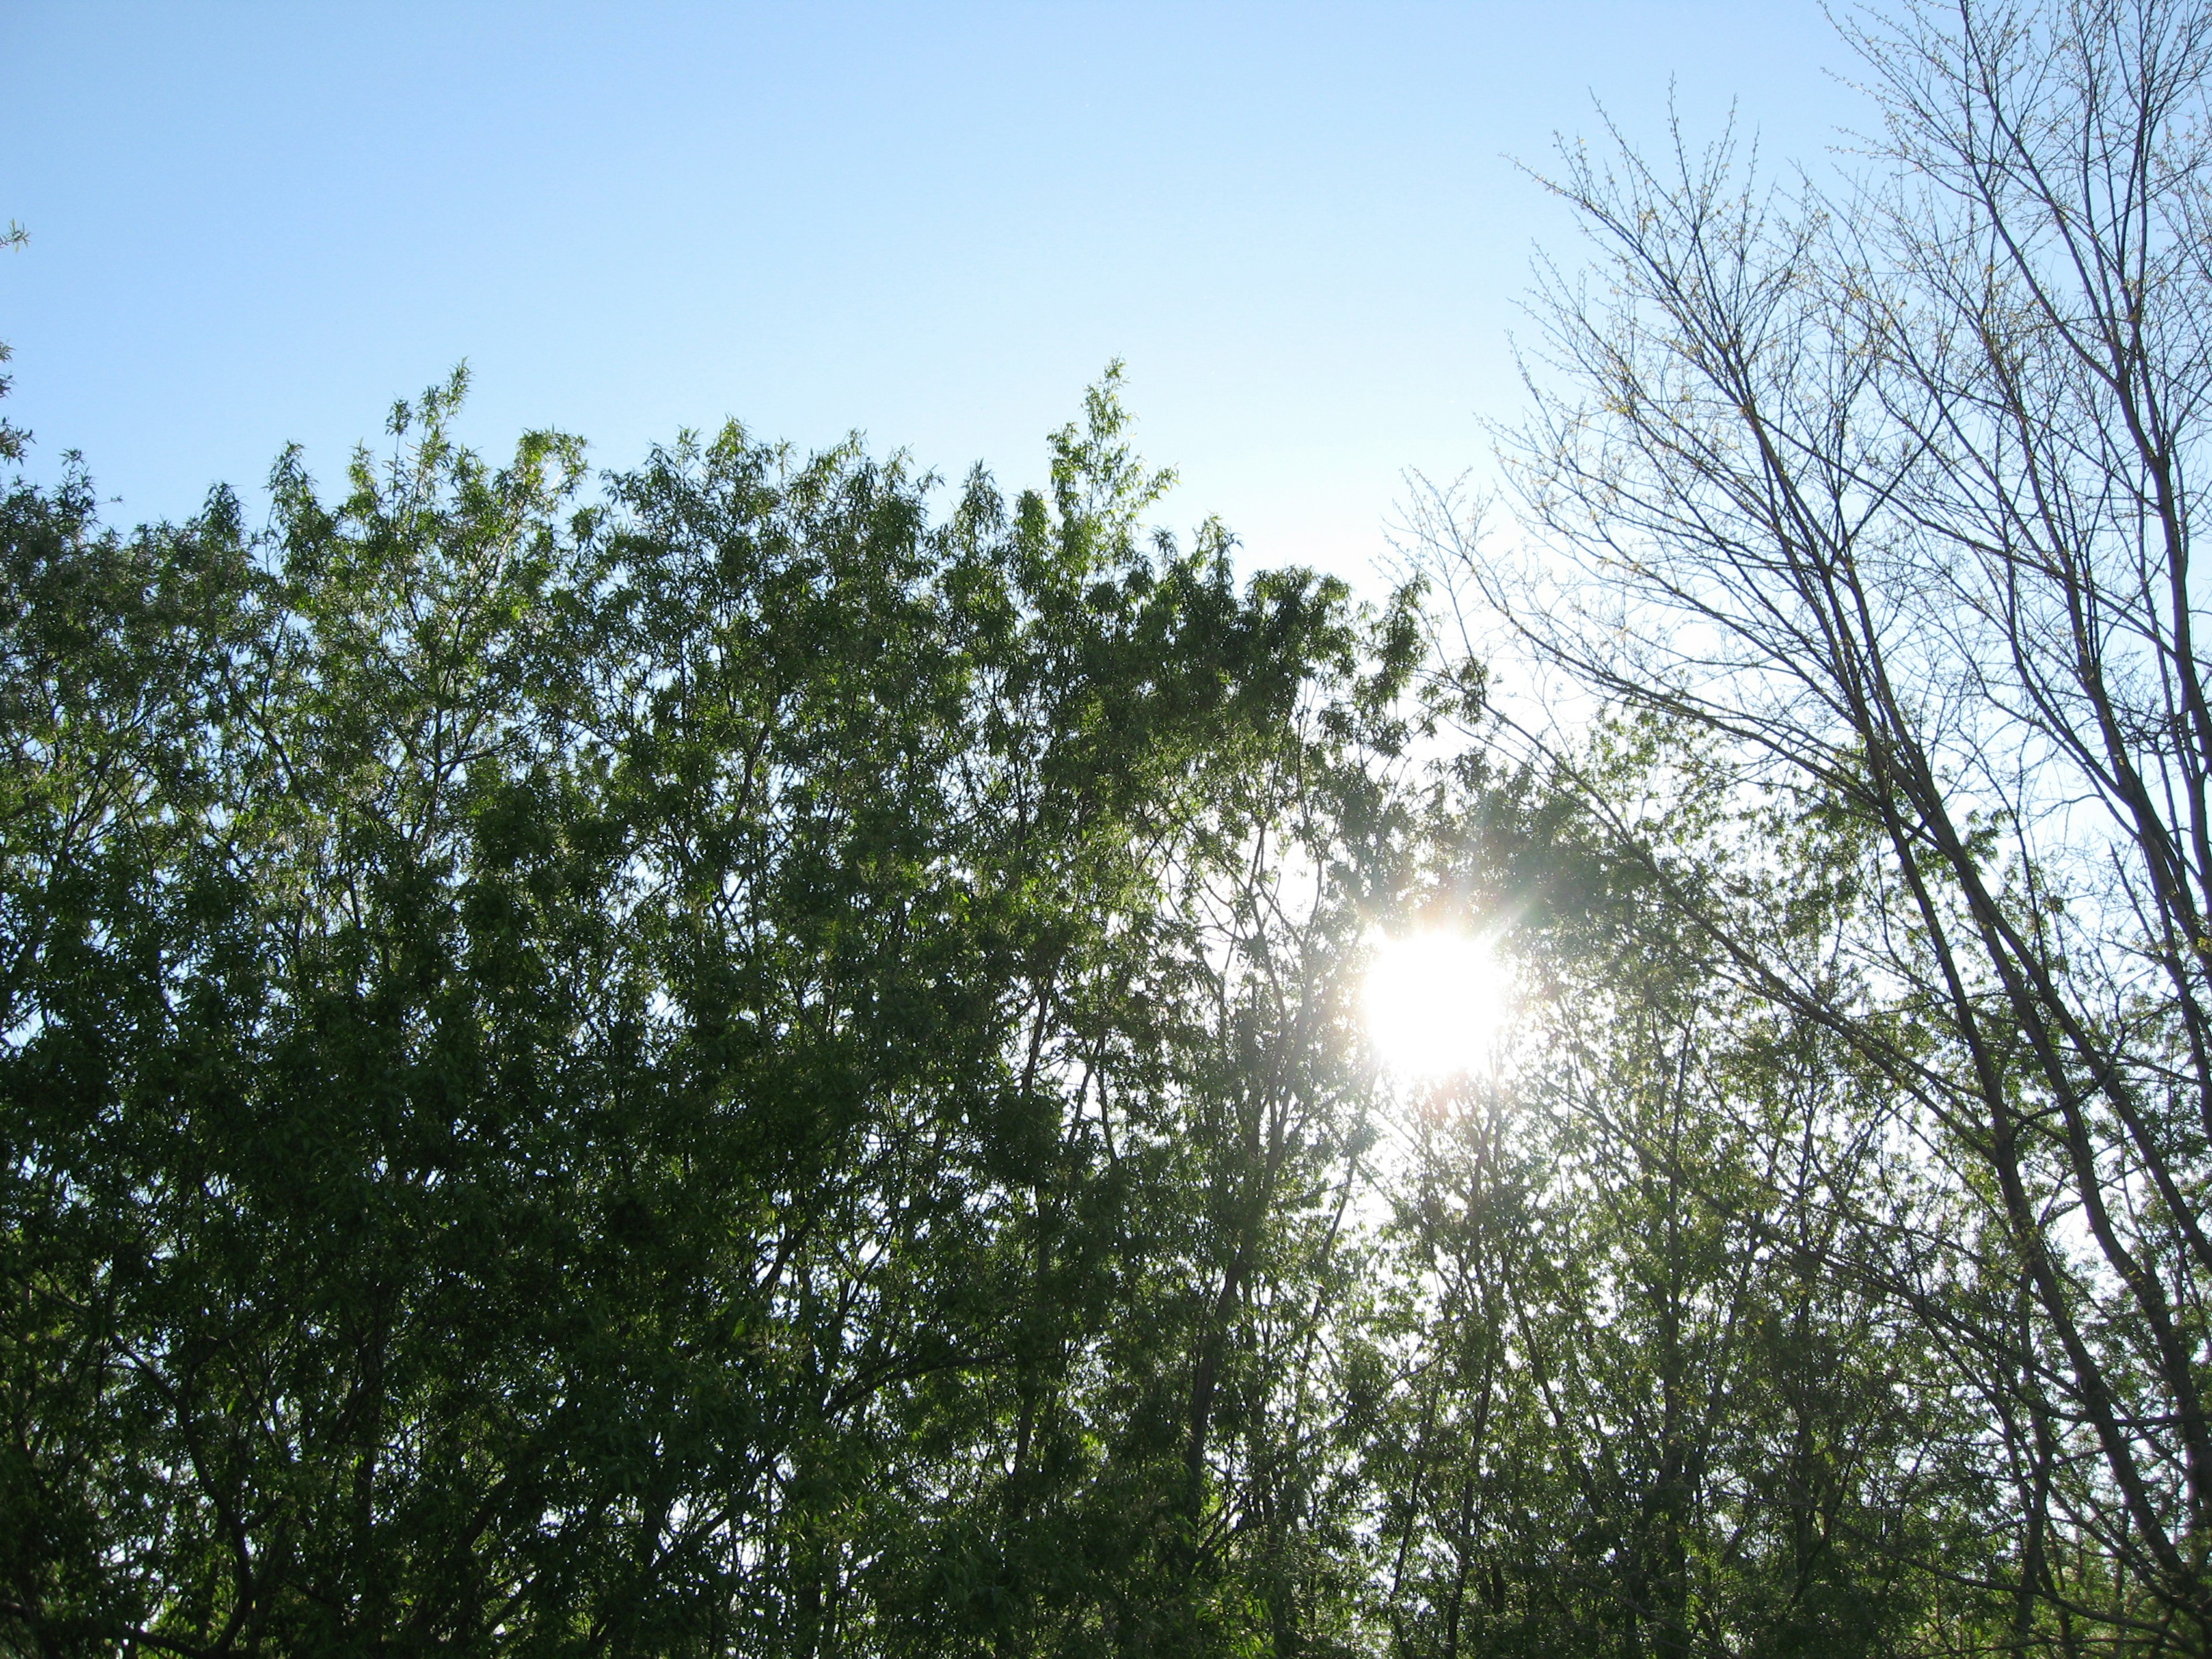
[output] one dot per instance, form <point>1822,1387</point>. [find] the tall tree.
<point>728,1067</point>
<point>1890,490</point>
<point>1639,1413</point>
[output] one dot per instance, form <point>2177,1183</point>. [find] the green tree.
<point>724,1066</point>
<point>1640,1412</point>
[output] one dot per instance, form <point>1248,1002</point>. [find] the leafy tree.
<point>729,1066</point>
<point>1639,1413</point>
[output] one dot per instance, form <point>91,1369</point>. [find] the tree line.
<point>761,1055</point>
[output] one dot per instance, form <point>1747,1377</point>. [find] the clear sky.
<point>1301,225</point>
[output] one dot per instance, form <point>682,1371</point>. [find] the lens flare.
<point>1435,1003</point>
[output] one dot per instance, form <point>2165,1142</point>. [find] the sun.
<point>1435,1003</point>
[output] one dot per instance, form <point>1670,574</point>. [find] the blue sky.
<point>1301,225</point>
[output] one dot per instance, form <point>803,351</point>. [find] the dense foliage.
<point>730,1069</point>
<point>760,1057</point>
<point>737,1068</point>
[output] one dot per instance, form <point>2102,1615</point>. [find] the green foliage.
<point>716,1068</point>
<point>1644,1404</point>
<point>759,1057</point>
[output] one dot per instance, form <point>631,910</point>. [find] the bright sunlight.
<point>1435,1003</point>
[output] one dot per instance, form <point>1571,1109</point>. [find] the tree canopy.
<point>762,1055</point>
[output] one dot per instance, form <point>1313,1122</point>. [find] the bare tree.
<point>1890,489</point>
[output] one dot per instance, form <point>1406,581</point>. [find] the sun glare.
<point>1436,1003</point>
